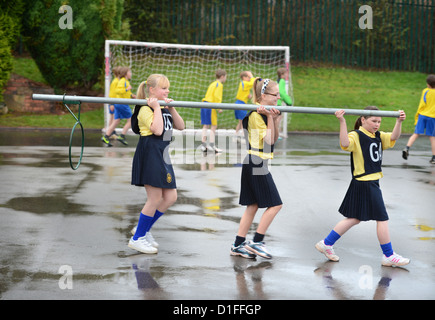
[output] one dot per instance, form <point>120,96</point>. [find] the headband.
<point>265,83</point>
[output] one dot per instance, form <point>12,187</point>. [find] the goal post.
<point>191,68</point>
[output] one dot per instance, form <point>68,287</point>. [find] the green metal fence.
<point>402,37</point>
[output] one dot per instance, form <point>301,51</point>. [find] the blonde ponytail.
<point>141,91</point>
<point>257,90</point>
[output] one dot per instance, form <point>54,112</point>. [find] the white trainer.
<point>328,251</point>
<point>149,237</point>
<point>394,260</point>
<point>142,245</point>
<point>133,231</point>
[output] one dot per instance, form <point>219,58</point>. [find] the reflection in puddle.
<point>339,290</point>
<point>249,274</point>
<point>425,228</point>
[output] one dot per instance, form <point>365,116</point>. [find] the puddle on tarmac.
<point>206,207</point>
<point>45,205</point>
<point>145,273</point>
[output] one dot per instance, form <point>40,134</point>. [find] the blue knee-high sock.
<point>157,215</point>
<point>331,238</point>
<point>387,249</point>
<point>142,226</point>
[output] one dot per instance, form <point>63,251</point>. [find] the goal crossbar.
<point>193,46</point>
<point>207,105</point>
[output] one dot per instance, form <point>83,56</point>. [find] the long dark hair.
<point>358,122</point>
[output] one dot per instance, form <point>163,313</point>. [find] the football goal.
<point>191,68</point>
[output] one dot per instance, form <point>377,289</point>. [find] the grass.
<point>328,87</point>
<point>90,120</point>
<point>27,67</point>
<point>353,89</point>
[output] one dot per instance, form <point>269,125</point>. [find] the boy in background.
<point>284,97</point>
<point>209,116</point>
<point>112,94</point>
<point>424,118</point>
<point>242,97</point>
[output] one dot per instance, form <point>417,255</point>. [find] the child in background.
<point>242,97</point>
<point>122,111</point>
<point>363,200</point>
<point>282,76</point>
<point>258,190</point>
<point>152,166</point>
<point>424,118</point>
<point>209,116</point>
<point>112,94</point>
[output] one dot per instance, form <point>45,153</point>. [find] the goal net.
<point>191,68</point>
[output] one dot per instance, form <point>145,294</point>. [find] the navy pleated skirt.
<point>152,164</point>
<point>363,201</point>
<point>257,185</point>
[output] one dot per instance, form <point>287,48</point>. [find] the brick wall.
<point>18,96</point>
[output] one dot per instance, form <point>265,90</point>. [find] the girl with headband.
<point>258,190</point>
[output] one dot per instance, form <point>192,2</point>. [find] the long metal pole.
<point>206,105</point>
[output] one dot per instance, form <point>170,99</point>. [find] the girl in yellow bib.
<point>258,190</point>
<point>152,166</point>
<point>363,200</point>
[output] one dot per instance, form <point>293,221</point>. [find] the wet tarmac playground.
<point>64,233</point>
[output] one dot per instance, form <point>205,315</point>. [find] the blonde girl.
<point>152,166</point>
